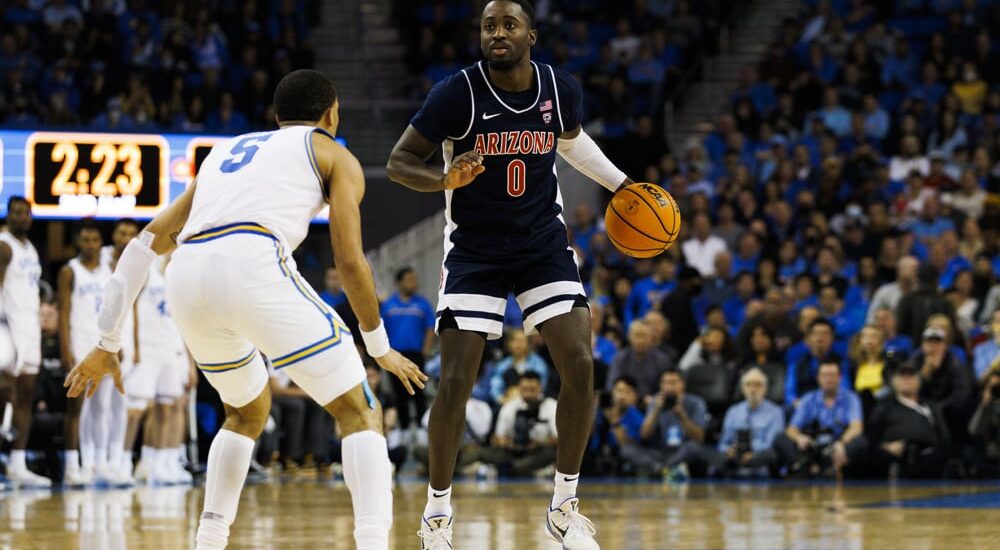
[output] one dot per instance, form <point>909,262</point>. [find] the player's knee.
<point>453,392</point>
<point>248,420</point>
<point>356,415</point>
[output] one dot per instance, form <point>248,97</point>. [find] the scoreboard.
<point>69,175</point>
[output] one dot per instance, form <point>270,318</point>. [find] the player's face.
<point>124,233</point>
<point>505,34</point>
<point>89,242</point>
<point>19,218</point>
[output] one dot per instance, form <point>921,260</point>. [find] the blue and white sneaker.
<point>435,533</point>
<point>567,526</point>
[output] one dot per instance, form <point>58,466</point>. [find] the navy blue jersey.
<point>514,208</point>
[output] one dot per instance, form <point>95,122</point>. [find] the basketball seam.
<point>624,248</point>
<point>654,209</point>
<point>637,230</point>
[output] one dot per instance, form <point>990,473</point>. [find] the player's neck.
<point>90,262</point>
<point>287,123</point>
<point>518,78</point>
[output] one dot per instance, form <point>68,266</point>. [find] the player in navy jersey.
<point>500,124</point>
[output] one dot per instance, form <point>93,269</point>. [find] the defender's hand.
<point>404,369</point>
<point>89,373</point>
<point>464,170</point>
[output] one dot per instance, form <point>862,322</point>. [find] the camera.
<point>523,423</point>
<point>669,401</point>
<point>604,400</point>
<point>743,442</point>
<point>995,391</point>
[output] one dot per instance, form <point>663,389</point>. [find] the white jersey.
<point>21,301</point>
<point>159,338</point>
<point>85,302</point>
<point>267,178</point>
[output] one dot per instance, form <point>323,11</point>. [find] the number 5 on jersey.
<point>516,175</point>
<point>243,153</point>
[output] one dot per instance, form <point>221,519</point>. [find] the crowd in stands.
<point>149,65</point>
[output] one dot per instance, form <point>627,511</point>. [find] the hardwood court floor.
<point>509,516</point>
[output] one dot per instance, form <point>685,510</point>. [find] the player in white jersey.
<point>161,376</point>
<point>80,287</point>
<point>235,294</point>
<point>20,271</point>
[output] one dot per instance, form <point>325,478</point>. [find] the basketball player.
<point>235,293</point>
<point>80,286</point>
<point>500,124</point>
<point>20,272</point>
<point>158,382</point>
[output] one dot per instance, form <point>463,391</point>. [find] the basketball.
<point>642,220</point>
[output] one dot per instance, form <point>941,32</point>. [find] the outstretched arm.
<point>158,237</point>
<point>582,153</point>
<point>346,182</point>
<point>408,165</point>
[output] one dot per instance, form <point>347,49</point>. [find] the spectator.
<point>333,293</point>
<point>908,435</point>
<point>302,422</point>
<point>899,345</point>
<point>970,90</point>
<point>985,425</point>
<point>945,383</point>
<point>826,427</point>
<point>986,353</point>
<point>718,288</point>
<point>889,294</point>
<point>700,250</point>
<point>918,305</point>
<point>735,307</point>
<point>868,365</point>
<point>409,321</point>
<point>762,355</point>
<point>661,334</point>
<point>846,322</point>
<point>618,423</point>
<point>648,292</point>
<point>908,160</point>
<point>968,198</point>
<point>678,308</point>
<point>672,420</point>
<point>508,371</point>
<point>802,376</point>
<point>640,360</point>
<point>748,431</point>
<point>525,435</point>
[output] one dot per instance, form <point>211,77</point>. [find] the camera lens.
<point>995,391</point>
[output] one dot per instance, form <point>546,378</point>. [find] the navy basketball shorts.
<point>474,289</point>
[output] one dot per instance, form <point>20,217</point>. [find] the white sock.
<point>565,488</point>
<point>119,424</point>
<point>228,462</point>
<point>438,502</point>
<point>72,460</point>
<point>368,474</point>
<point>126,462</point>
<point>18,460</point>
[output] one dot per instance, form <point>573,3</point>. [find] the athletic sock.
<point>565,488</point>
<point>438,502</point>
<point>228,462</point>
<point>18,460</point>
<point>368,475</point>
<point>72,460</point>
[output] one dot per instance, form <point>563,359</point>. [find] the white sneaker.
<point>569,527</point>
<point>180,474</point>
<point>141,470</point>
<point>26,479</point>
<point>76,477</point>
<point>122,476</point>
<point>435,533</point>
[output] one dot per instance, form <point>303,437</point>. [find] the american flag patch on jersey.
<point>546,106</point>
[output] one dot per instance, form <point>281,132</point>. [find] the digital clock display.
<point>103,174</point>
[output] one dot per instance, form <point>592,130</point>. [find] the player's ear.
<point>532,37</point>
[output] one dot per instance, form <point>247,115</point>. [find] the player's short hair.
<point>15,199</point>
<point>528,7</point>
<point>86,224</point>
<point>529,375</point>
<point>304,94</point>
<point>127,221</point>
<point>403,272</point>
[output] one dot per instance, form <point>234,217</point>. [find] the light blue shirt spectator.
<point>533,362</point>
<point>983,356</point>
<point>765,423</point>
<point>812,408</point>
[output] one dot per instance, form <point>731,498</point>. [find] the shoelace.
<point>436,538</point>
<point>577,523</point>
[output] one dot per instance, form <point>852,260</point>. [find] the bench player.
<point>500,124</point>
<point>235,293</point>
<point>20,272</point>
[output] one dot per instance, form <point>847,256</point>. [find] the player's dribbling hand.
<point>464,170</point>
<point>404,369</point>
<point>88,374</point>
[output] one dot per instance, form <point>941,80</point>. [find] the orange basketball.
<point>642,220</point>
